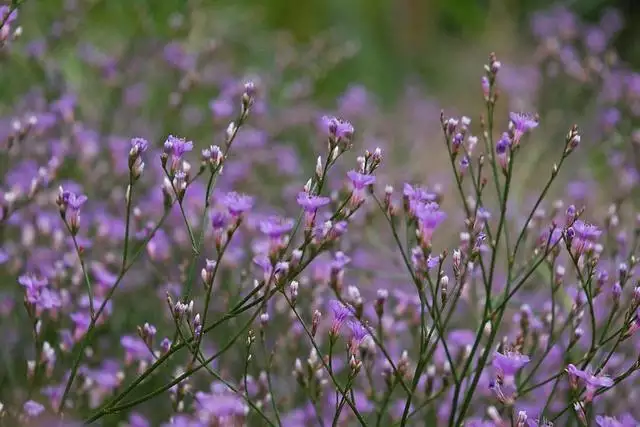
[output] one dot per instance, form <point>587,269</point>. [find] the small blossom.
<point>32,408</point>
<point>508,364</point>
<point>311,203</point>
<point>337,129</point>
<point>522,123</point>
<point>340,313</point>
<point>276,227</point>
<point>237,204</point>
<point>177,147</point>
<point>591,381</point>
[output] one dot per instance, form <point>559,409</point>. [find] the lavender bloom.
<point>359,180</point>
<point>276,227</point>
<point>522,123</point>
<point>138,146</point>
<point>176,148</point>
<point>586,236</point>
<point>429,218</point>
<point>508,364</point>
<point>70,205</point>
<point>32,408</point>
<point>340,313</point>
<point>358,332</point>
<point>502,147</point>
<point>416,196</point>
<point>606,421</point>
<point>591,381</point>
<point>237,204</point>
<point>337,129</point>
<point>311,203</point>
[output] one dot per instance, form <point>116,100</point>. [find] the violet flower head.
<point>359,180</point>
<point>340,261</point>
<point>585,236</point>
<point>177,147</point>
<point>358,331</point>
<point>237,204</point>
<point>591,381</point>
<point>416,196</point>
<point>219,405</point>
<point>32,408</point>
<point>311,203</point>
<point>429,218</point>
<point>606,421</point>
<point>521,124</point>
<point>341,313</point>
<point>337,129</point>
<point>508,364</point>
<point>139,145</point>
<point>276,227</point>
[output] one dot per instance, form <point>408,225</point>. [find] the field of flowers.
<point>191,236</point>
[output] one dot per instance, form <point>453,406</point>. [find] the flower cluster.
<point>165,280</point>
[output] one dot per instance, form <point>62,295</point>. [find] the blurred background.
<point>98,50</point>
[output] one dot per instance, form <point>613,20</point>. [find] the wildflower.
<point>310,204</point>
<point>276,227</point>
<point>358,333</point>
<point>340,313</point>
<point>212,156</point>
<point>337,129</point>
<point>606,421</point>
<point>486,87</point>
<point>416,196</point>
<point>176,148</point>
<point>521,123</point>
<point>502,147</point>
<point>32,408</point>
<point>592,381</point>
<point>220,407</point>
<point>138,146</point>
<point>508,364</point>
<point>237,204</point>
<point>429,218</point>
<point>585,236</point>
<point>69,204</point>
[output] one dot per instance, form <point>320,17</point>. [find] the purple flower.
<point>219,405</point>
<point>276,227</point>
<point>177,146</point>
<point>358,331</point>
<point>339,261</point>
<point>81,320</point>
<point>591,381</point>
<point>585,236</point>
<point>429,218</point>
<point>522,123</point>
<point>336,128</point>
<point>508,364</point>
<point>32,408</point>
<point>139,145</point>
<point>416,196</point>
<point>340,313</point>
<point>359,180</point>
<point>311,203</point>
<point>237,204</point>
<point>606,421</point>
